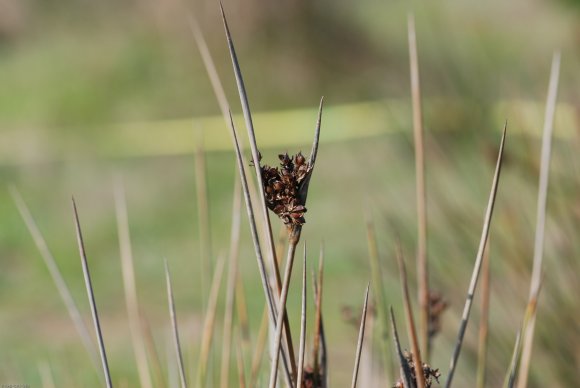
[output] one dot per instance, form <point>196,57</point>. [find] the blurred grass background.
<point>89,89</point>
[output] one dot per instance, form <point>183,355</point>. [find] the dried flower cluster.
<point>283,188</point>
<point>429,373</point>
<point>349,317</point>
<point>437,305</point>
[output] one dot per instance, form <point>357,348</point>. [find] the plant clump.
<point>284,188</point>
<point>431,375</point>
<point>311,379</point>
<point>437,305</point>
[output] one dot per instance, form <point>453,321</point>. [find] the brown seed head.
<point>431,375</point>
<point>282,187</point>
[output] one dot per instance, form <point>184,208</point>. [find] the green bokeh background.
<point>75,76</point>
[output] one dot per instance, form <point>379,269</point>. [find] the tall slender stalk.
<point>45,375</point>
<point>422,268</point>
<point>319,329</point>
<point>57,277</point>
<point>203,217</point>
<point>302,347</point>
<point>257,249</point>
<point>175,330</point>
<point>253,144</point>
<point>410,320</point>
<point>256,158</point>
<point>380,297</point>
<point>259,348</point>
<point>361,335</point>
<point>91,297</point>
<point>240,363</point>
<point>209,323</point>
<point>405,368</point>
<point>294,234</point>
<point>210,68</point>
<point>484,320</point>
<point>156,368</point>
<point>318,316</point>
<point>510,377</point>
<point>130,288</point>
<point>528,335</point>
<point>231,284</point>
<point>531,308</point>
<point>242,311</point>
<point>478,261</point>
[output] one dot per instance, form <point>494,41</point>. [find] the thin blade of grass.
<point>175,330</point>
<point>256,241</point>
<point>156,367</point>
<point>302,326</point>
<point>90,294</point>
<point>409,318</point>
<point>541,214</point>
<point>360,341</point>
<point>405,369</point>
<point>209,323</point>
<point>320,327</point>
<point>216,86</point>
<point>203,218</point>
<point>380,298</point>
<point>242,311</point>
<point>224,107</point>
<point>240,364</point>
<point>510,378</point>
<point>57,277</point>
<point>313,153</point>
<point>45,375</point>
<point>210,67</point>
<point>422,267</point>
<point>172,368</point>
<point>260,346</point>
<point>281,309</point>
<point>323,350</point>
<point>318,315</point>
<point>529,318</point>
<point>256,158</point>
<point>484,320</point>
<point>478,261</point>
<point>367,358</point>
<point>129,284</point>
<point>316,141</point>
<point>231,284</point>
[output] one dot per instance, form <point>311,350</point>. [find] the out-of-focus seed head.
<point>431,375</point>
<point>348,315</point>
<point>437,305</point>
<point>311,380</point>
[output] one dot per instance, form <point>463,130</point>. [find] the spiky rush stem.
<point>175,330</point>
<point>478,261</point>
<point>302,327</point>
<point>361,335</point>
<point>410,320</point>
<point>528,335</point>
<point>255,157</point>
<point>129,285</point>
<point>294,237</point>
<point>422,269</point>
<point>91,296</point>
<point>57,277</point>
